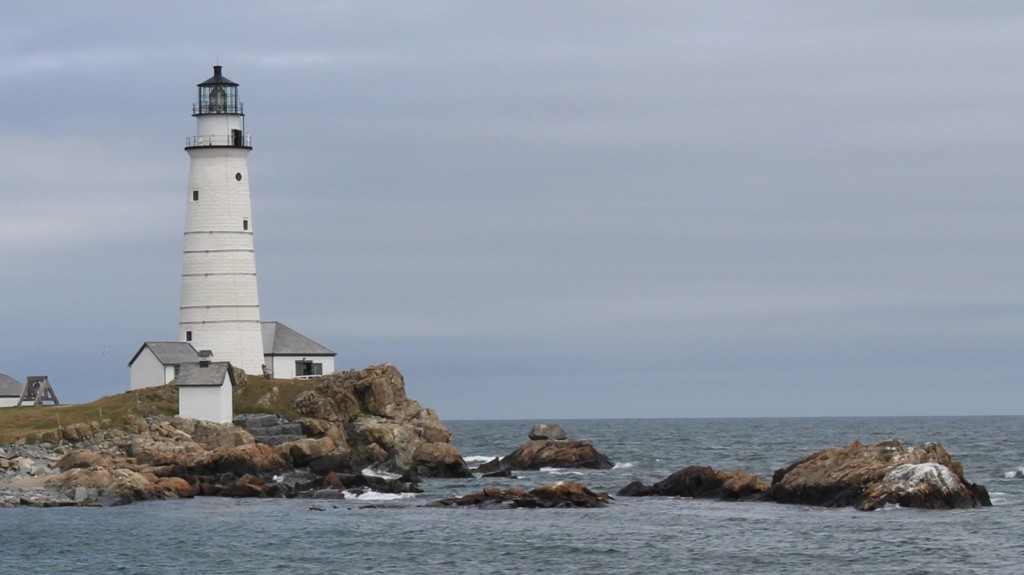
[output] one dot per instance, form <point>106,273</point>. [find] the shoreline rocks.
<point>354,421</point>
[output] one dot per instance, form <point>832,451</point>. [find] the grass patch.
<point>259,395</point>
<point>256,395</point>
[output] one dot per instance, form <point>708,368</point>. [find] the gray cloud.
<point>537,210</point>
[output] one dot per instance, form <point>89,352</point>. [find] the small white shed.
<point>157,362</point>
<point>288,354</point>
<point>204,391</point>
<point>10,391</point>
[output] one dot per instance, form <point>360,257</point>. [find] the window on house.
<point>195,195</point>
<point>306,368</point>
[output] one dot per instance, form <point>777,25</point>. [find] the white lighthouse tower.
<point>220,308</point>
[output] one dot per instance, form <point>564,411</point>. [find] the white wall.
<point>283,366</point>
<point>210,403</point>
<point>8,401</point>
<point>147,371</point>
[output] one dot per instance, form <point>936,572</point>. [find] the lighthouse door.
<point>236,138</point>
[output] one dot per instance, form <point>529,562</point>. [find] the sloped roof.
<point>194,375</point>
<point>169,352</point>
<point>217,78</point>
<point>279,339</point>
<point>10,387</point>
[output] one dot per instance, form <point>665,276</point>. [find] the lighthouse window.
<point>188,336</point>
<point>238,176</point>
<point>195,195</point>
<point>245,224</point>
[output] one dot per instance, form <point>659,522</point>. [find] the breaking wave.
<point>559,471</point>
<point>1019,472</point>
<point>376,496</point>
<point>371,472</point>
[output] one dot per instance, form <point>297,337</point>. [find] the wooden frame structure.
<point>38,390</point>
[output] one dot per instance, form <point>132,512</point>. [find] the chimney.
<point>204,358</point>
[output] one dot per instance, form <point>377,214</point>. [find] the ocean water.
<point>643,535</point>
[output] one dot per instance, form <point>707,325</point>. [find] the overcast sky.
<point>543,209</point>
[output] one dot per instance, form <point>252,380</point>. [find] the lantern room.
<point>217,95</point>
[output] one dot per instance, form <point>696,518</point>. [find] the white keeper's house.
<point>288,354</point>
<point>158,362</point>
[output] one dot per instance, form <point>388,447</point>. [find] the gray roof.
<point>279,339</point>
<point>194,375</point>
<point>169,352</point>
<point>10,387</point>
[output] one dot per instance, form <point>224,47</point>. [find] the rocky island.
<point>348,424</point>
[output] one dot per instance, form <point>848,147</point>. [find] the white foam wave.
<point>1019,472</point>
<point>559,471</point>
<point>623,466</point>
<point>371,472</point>
<point>479,458</point>
<point>376,496</point>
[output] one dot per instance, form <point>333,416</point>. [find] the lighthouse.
<point>220,308</point>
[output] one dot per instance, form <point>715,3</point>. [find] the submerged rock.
<point>564,494</point>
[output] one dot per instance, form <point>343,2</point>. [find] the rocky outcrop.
<point>373,423</point>
<point>562,494</point>
<point>541,453</point>
<point>704,483</point>
<point>870,477</point>
<point>547,447</point>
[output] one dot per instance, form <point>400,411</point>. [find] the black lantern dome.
<point>217,95</point>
